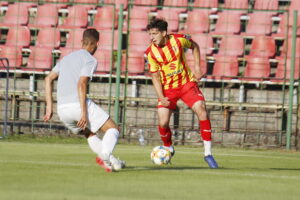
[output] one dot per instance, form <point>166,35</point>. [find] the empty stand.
<point>229,22</point>
<point>171,16</point>
<point>18,36</point>
<point>206,3</point>
<point>17,14</point>
<point>40,59</point>
<point>106,18</point>
<point>287,48</point>
<point>225,67</point>
<point>263,46</point>
<point>138,41</point>
<point>105,60</point>
<point>231,45</point>
<point>77,17</point>
<point>257,68</point>
<point>74,39</point>
<point>205,43</point>
<point>47,16</point>
<point>266,5</point>
<point>48,38</point>
<point>147,4</point>
<point>191,62</point>
<point>108,40</point>
<point>197,21</point>
<point>138,18</point>
<point>135,63</point>
<point>260,23</point>
<point>236,4</point>
<point>182,4</point>
<point>118,3</point>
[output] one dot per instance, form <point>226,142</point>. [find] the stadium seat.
<point>135,63</point>
<point>138,18</point>
<point>191,63</point>
<point>206,3</point>
<point>48,38</point>
<point>236,4</point>
<point>138,41</point>
<point>283,69</point>
<point>229,22</point>
<point>17,14</point>
<point>77,18</point>
<point>287,24</point>
<point>172,18</point>
<point>295,5</point>
<point>263,46</point>
<point>74,38</point>
<point>105,60</point>
<point>13,54</point>
<point>18,36</point>
<point>287,48</point>
<point>40,59</point>
<point>149,5</point>
<point>205,43</point>
<point>231,45</point>
<point>257,69</point>
<point>180,4</point>
<point>118,3</point>
<point>197,21</point>
<point>266,5</point>
<point>104,18</point>
<point>260,23</point>
<point>107,39</point>
<point>47,16</point>
<point>225,67</point>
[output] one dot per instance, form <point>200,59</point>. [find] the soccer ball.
<point>160,155</point>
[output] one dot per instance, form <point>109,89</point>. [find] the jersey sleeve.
<point>56,69</point>
<point>152,64</point>
<point>186,41</point>
<point>89,68</point>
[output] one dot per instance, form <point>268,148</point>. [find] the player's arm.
<point>196,53</point>
<point>48,93</point>
<point>82,92</point>
<point>159,89</point>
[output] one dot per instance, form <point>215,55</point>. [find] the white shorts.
<point>70,114</point>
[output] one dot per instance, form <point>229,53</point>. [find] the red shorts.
<point>188,93</point>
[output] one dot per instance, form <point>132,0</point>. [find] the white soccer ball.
<point>160,155</point>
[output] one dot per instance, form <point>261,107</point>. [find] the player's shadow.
<point>163,168</point>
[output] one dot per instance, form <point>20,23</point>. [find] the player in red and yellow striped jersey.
<point>173,80</point>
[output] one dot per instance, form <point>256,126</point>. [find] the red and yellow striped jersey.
<point>170,61</point>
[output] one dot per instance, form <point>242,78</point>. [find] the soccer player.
<point>80,114</point>
<point>173,80</point>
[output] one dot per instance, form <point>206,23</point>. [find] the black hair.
<point>159,23</point>
<point>91,35</point>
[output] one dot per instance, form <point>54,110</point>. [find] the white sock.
<point>109,142</point>
<point>95,144</point>
<point>207,147</point>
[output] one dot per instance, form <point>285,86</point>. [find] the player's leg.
<point>194,98</point>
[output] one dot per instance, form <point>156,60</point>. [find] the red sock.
<point>205,129</point>
<point>165,135</point>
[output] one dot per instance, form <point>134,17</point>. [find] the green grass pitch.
<point>53,171</point>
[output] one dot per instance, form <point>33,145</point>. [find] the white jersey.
<point>70,69</point>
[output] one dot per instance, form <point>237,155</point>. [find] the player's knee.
<point>113,131</point>
<point>163,125</point>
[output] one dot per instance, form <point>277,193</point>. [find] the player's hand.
<point>82,122</point>
<point>164,101</point>
<point>198,75</point>
<point>48,115</point>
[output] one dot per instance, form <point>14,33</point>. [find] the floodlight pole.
<point>291,86</point>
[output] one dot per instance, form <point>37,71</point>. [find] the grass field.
<point>54,171</point>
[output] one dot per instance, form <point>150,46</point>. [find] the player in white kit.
<point>80,114</point>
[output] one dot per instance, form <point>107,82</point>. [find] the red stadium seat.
<point>263,46</point>
<point>118,3</point>
<point>287,48</point>
<point>225,67</point>
<point>295,5</point>
<point>145,3</point>
<point>229,22</point>
<point>135,63</point>
<point>172,18</point>
<point>105,60</point>
<point>13,54</point>
<point>74,38</point>
<point>283,69</point>
<point>77,18</point>
<point>181,4</point>
<point>48,38</point>
<point>40,59</point>
<point>206,3</point>
<point>205,43</point>
<point>191,62</point>
<point>257,68</point>
<point>260,23</point>
<point>108,40</point>
<point>47,16</point>
<point>104,18</point>
<point>231,45</point>
<point>266,5</point>
<point>197,21</point>
<point>18,36</point>
<point>138,41</point>
<point>236,4</point>
<point>138,18</point>
<point>17,14</point>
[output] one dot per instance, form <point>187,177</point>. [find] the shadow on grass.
<point>164,168</point>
